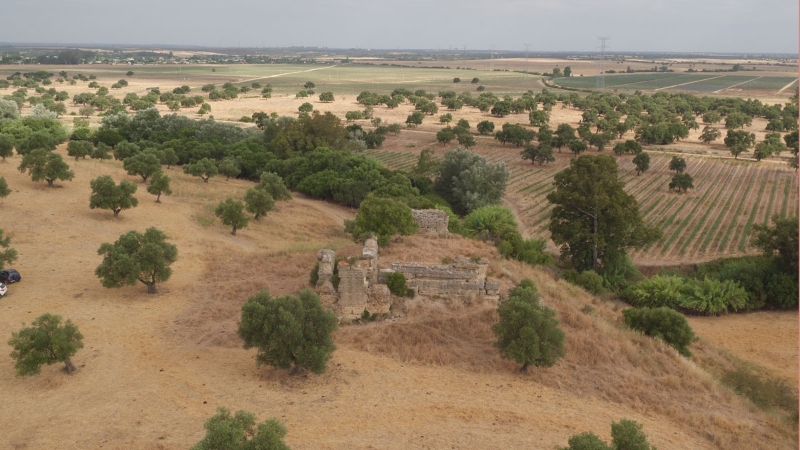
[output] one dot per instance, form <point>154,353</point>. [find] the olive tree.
<point>43,164</point>
<point>469,181</point>
<point>240,432</point>
<point>4,190</point>
<point>7,142</point>
<point>383,217</point>
<point>290,332</point>
<point>231,213</point>
<point>7,254</point>
<point>159,185</point>
<point>108,195</point>
<point>45,342</point>
<point>528,332</point>
<point>144,163</point>
<point>273,184</point>
<point>137,257</point>
<point>205,169</point>
<point>258,202</point>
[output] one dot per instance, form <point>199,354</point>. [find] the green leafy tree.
<point>445,135</point>
<point>229,167</point>
<point>709,135</point>
<point>567,71</point>
<point>446,118</point>
<point>625,435</point>
<point>469,181</point>
<point>205,108</point>
<point>79,149</point>
<point>677,164</point>
<point>737,119</point>
<point>540,154</point>
<point>309,85</point>
<point>594,220</point>
<point>240,432</point>
<point>7,254</point>
<point>578,146</point>
<point>681,182</point>
<point>527,332</point>
<point>642,162</point>
<point>779,240</point>
<point>144,163</point>
<point>383,217</point>
<point>7,142</point>
<point>231,213</point>
<point>273,184</point>
<point>628,147</point>
<point>137,257</point>
<point>415,118</point>
<point>101,151</point>
<point>485,127</point>
<point>125,149</point>
<point>501,108</point>
<point>159,185</point>
<point>4,190</point>
<point>46,341</point>
<point>628,435</point>
<point>289,332</point>
<point>326,97</point>
<point>427,164</point>
<point>539,118</point>
<point>258,202</point>
<point>663,323</point>
<point>169,157</point>
<point>107,195</point>
<point>205,169</point>
<point>43,164</point>
<point>739,141</point>
<point>306,107</point>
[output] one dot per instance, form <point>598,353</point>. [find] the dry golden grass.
<point>154,368</point>
<point>603,360</point>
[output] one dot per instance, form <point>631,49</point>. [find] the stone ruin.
<point>431,221</point>
<point>362,285</point>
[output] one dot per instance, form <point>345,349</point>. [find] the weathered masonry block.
<point>431,221</point>
<point>362,286</point>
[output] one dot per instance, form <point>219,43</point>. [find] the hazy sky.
<point>767,26</point>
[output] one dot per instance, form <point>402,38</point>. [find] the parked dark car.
<point>9,276</point>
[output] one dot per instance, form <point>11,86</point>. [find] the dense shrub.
<point>656,292</point>
<point>497,224</point>
<point>383,217</point>
<point>711,296</point>
<point>763,278</point>
<point>705,296</point>
<point>625,435</point>
<point>662,323</point>
<point>397,284</point>
<point>588,280</point>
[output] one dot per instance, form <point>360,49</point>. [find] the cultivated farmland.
<point>712,221</point>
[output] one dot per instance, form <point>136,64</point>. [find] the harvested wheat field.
<point>155,367</point>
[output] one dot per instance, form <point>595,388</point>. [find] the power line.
<point>601,78</point>
<point>527,47</point>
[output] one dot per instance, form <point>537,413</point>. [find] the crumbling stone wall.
<point>431,221</point>
<point>462,278</point>
<point>363,286</point>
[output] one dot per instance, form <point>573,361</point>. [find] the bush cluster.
<point>705,296</point>
<point>663,323</point>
